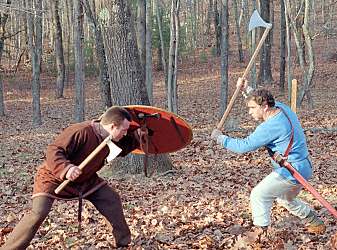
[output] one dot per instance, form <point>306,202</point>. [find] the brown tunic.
<point>71,147</point>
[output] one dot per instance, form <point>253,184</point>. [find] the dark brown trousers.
<point>105,199</point>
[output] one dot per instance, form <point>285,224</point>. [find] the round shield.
<point>167,131</point>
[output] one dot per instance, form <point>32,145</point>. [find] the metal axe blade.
<point>257,21</point>
<point>114,150</point>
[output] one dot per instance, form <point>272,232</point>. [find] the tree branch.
<point>11,35</point>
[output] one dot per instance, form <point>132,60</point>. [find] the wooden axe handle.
<point>84,163</point>
<point>237,90</point>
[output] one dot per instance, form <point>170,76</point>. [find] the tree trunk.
<point>272,20</point>
<point>124,66</point>
<point>79,61</point>
<point>70,21</point>
<point>307,75</point>
<point>35,45</point>
<point>58,50</point>
<point>265,75</point>
<point>289,72</point>
<point>224,57</point>
<point>244,18</point>
<point>299,24</point>
<point>175,69</point>
<point>2,42</point>
<point>2,103</point>
<point>162,45</point>
<point>172,100</point>
<point>238,33</point>
<point>141,31</point>
<point>217,26</point>
<point>209,16</point>
<point>305,90</point>
<point>148,51</point>
<point>282,47</point>
<point>194,24</point>
<point>100,54</point>
<point>3,21</point>
<point>127,81</point>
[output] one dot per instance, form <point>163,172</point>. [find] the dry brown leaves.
<point>204,204</point>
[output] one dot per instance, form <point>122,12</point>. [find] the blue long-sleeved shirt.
<point>274,134</point>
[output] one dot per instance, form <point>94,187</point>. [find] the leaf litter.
<point>203,204</point>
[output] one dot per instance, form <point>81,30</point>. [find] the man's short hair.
<point>262,97</point>
<point>116,115</point>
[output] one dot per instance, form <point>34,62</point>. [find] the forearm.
<point>236,145</point>
<point>57,162</point>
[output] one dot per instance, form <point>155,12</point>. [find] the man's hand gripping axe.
<point>114,152</point>
<point>254,22</point>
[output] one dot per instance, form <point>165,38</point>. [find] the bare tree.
<point>210,15</point>
<point>144,36</point>
<point>148,46</point>
<point>224,57</point>
<point>141,30</point>
<point>69,7</point>
<point>172,92</point>
<point>34,25</point>
<point>289,64</point>
<point>305,90</point>
<point>217,25</point>
<point>307,73</point>
<point>3,21</point>
<point>79,61</point>
<point>282,47</point>
<point>265,75</point>
<point>58,50</point>
<point>100,54</point>
<point>2,103</point>
<point>238,34</point>
<point>162,45</point>
<point>244,17</point>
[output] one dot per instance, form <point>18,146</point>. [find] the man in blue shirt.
<point>278,125</point>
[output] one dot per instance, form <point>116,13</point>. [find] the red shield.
<point>167,131</point>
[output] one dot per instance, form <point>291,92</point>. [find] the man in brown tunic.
<point>63,156</point>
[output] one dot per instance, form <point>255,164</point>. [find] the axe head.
<point>257,21</point>
<point>114,150</point>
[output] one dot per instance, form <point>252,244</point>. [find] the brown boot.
<point>314,224</point>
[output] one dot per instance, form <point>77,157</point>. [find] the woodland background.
<point>65,61</point>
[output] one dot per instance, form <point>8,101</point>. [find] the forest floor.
<point>204,203</point>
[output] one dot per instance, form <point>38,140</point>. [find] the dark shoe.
<point>314,224</point>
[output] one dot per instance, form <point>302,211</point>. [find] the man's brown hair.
<point>116,115</point>
<point>262,97</point>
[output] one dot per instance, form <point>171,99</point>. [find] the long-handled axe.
<point>254,22</point>
<point>114,151</point>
